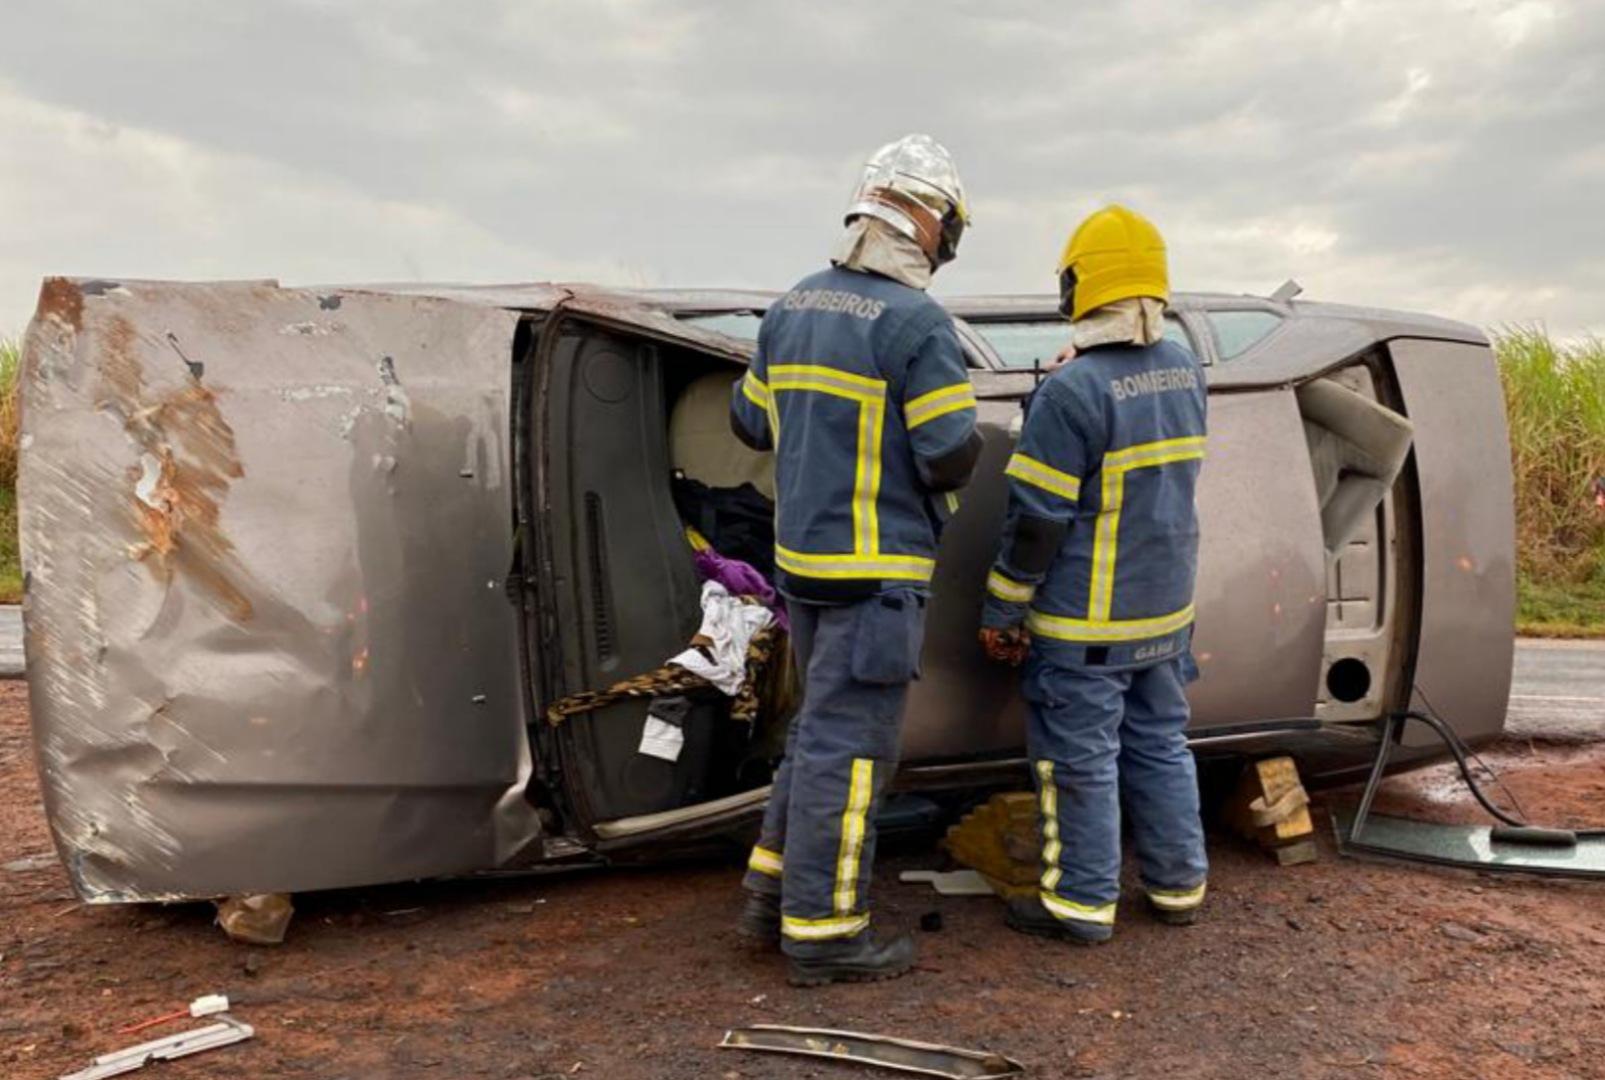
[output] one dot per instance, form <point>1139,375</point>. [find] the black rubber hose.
<point>1517,830</point>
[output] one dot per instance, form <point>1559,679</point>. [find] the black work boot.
<point>862,959</point>
<point>1027,915</point>
<point>759,921</point>
<point>1174,916</point>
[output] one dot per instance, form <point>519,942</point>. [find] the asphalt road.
<point>1559,690</point>
<point>10,641</point>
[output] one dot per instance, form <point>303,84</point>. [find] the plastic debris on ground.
<point>205,1005</point>
<point>951,882</point>
<point>226,1032</point>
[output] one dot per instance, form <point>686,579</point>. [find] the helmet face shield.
<point>913,186</point>
<point>952,232</point>
<point>1067,291</point>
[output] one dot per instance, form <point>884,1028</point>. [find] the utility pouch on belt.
<point>888,638</point>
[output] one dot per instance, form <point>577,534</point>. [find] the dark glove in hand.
<point>1007,646</point>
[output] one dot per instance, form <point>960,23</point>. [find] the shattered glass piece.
<point>1468,846</point>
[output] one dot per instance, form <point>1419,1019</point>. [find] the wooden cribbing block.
<point>1272,808</point>
<point>1002,840</point>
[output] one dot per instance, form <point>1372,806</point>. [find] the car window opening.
<point>1238,331</point>
<point>1023,345</point>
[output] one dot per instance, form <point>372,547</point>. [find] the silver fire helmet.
<point>913,186</point>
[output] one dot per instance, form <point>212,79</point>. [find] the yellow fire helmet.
<point>1116,253</point>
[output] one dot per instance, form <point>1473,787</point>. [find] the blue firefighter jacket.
<point>860,388</point>
<point>1100,544</point>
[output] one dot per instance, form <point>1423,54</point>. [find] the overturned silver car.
<point>307,568</point>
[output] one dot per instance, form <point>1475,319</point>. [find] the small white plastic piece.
<point>207,1004</point>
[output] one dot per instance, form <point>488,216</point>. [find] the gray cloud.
<point>1443,155</point>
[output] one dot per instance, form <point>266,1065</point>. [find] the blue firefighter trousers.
<point>1098,738</point>
<point>817,847</point>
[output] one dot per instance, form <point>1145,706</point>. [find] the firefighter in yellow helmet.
<point>1093,589</point>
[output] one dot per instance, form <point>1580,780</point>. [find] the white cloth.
<point>871,244</point>
<point>1137,320</point>
<point>729,624</point>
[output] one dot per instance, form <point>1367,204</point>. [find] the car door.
<point>264,533</point>
<point>1261,593</point>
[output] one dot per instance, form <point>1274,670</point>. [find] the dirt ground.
<point>1339,969</point>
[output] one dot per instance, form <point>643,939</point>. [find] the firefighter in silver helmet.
<point>860,388</point>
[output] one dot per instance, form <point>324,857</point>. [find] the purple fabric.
<point>740,579</point>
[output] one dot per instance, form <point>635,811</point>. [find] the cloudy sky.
<point>1438,155</point>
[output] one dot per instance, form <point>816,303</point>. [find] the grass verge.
<point>1555,399</point>
<point>1546,609</point>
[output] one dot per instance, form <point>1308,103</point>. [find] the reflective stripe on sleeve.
<point>1177,899</point>
<point>1060,908</point>
<point>1031,471</point>
<point>938,403</point>
<point>823,929</point>
<point>755,391</point>
<point>860,787</point>
<point>1008,589</point>
<point>765,861</point>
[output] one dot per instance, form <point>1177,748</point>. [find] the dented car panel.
<point>264,533</point>
<point>270,537</point>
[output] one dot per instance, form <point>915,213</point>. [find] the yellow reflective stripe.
<point>870,394</point>
<point>765,861</point>
<point>697,541</point>
<point>823,929</point>
<point>1192,445</point>
<point>1094,630</point>
<point>1103,914</point>
<point>899,567</point>
<point>1046,477</point>
<point>822,371</point>
<point>867,479</point>
<point>826,380</point>
<point>859,789</point>
<point>952,502</point>
<point>1177,900</point>
<point>1005,588</point>
<point>938,403</point>
<point>1106,533</point>
<point>1048,796</point>
<point>820,386</point>
<point>755,391</point>
<point>1105,543</point>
